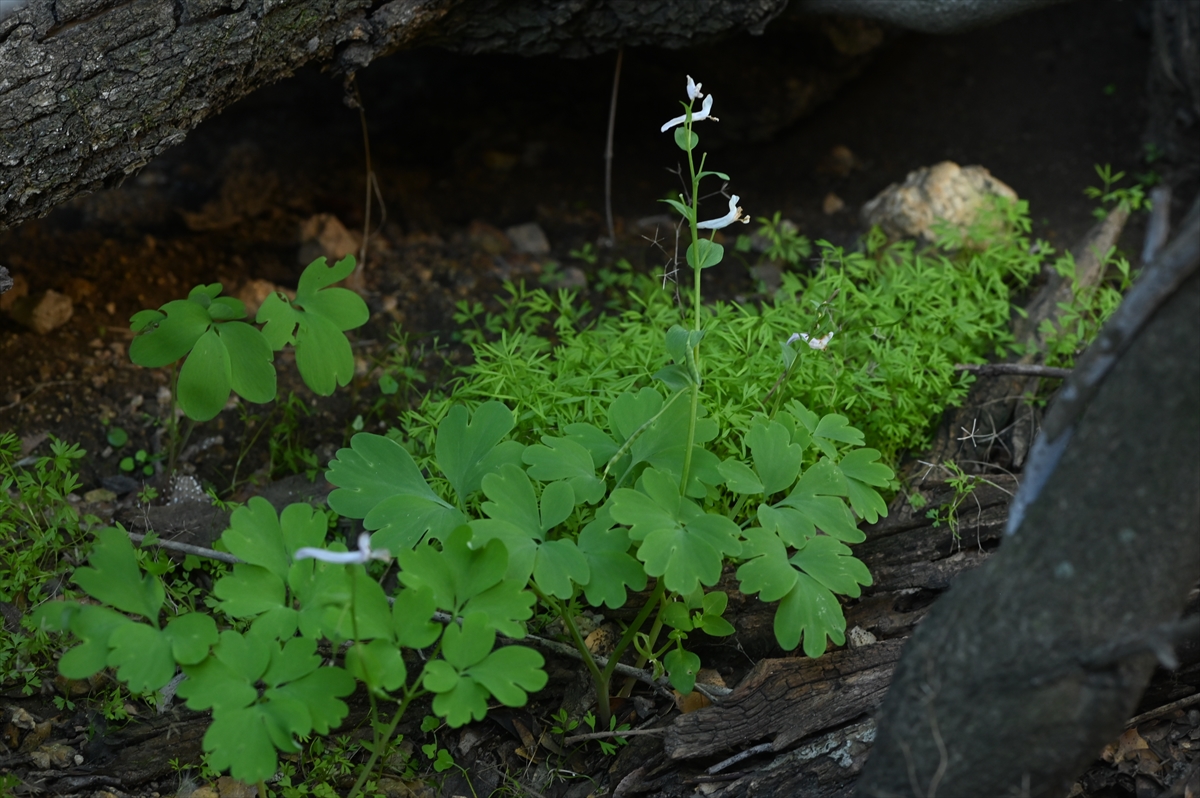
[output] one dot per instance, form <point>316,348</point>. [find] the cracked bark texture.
<point>92,90</point>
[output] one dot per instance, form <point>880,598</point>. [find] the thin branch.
<point>608,149</point>
<point>579,738</point>
<point>187,548</point>
<point>1020,369</point>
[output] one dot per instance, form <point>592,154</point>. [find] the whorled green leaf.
<point>703,254</point>
<point>115,579</point>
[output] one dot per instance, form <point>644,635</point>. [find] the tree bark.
<point>1032,662</point>
<point>91,90</point>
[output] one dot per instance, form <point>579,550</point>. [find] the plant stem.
<point>409,695</point>
<point>599,679</point>
<point>655,599</point>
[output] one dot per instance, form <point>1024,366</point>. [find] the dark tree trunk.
<point>91,90</point>
<point>1033,661</point>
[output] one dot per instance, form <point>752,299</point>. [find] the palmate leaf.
<point>115,578</point>
<point>378,481</point>
<point>565,459</point>
<point>817,499</point>
<point>810,611</point>
<point>830,563</point>
<point>776,459</point>
<point>468,450</point>
<point>471,671</point>
<point>315,322</point>
<point>225,354</point>
<point>682,667</point>
<point>611,569</point>
<point>863,474</point>
<point>679,541</point>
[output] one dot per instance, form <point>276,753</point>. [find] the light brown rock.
<point>44,312</point>
<point>324,235</point>
<point>945,191</point>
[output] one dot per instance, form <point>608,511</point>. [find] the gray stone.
<point>529,239</point>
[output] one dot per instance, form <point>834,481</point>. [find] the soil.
<point>462,148</point>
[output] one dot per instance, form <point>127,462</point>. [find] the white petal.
<point>705,112</point>
<point>794,337</point>
<point>693,89</point>
<point>734,214</point>
<point>679,120</point>
<point>343,557</point>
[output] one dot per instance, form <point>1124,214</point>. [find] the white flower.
<point>813,343</point>
<point>705,112</point>
<point>363,554</point>
<point>735,215</point>
<point>694,92</point>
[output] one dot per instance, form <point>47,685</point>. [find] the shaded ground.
<point>465,147</point>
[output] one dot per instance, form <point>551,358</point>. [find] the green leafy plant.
<point>266,687</point>
<point>222,354</point>
<point>591,509</point>
<point>1132,199</point>
<point>37,525</point>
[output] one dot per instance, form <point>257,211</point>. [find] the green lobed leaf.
<point>296,659</point>
<point>94,625</point>
<point>250,590</point>
<point>510,673</point>
<point>378,481</point>
<point>776,459</point>
<point>766,570</point>
<point>810,611</point>
<point>323,354</point>
<point>863,474</point>
<point>142,656</point>
<point>565,459</point>
<point>558,567</point>
<point>377,664</point>
<point>320,691</point>
<point>252,373</point>
<point>115,578</point>
<point>255,537</point>
<point>204,380</point>
<point>190,636</point>
<point>467,450</point>
<point>739,477</point>
<point>460,699</point>
<point>682,667</point>
<point>831,563</point>
<point>411,615</point>
<point>611,568</point>
<point>238,741</point>
<point>167,334</point>
<point>211,684</point>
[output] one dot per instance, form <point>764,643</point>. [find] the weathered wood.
<point>786,700</point>
<point>91,90</point>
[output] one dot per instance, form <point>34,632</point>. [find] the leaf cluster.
<point>225,354</point>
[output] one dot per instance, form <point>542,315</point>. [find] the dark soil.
<point>464,147</point>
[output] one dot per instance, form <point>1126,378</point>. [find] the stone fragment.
<point>488,239</point>
<point>323,235</point>
<point>6,281</point>
<point>99,495</point>
<point>832,204</point>
<point>255,292</point>
<point>529,239</point>
<point>44,312</point>
<point>54,755</point>
<point>946,191</point>
<point>839,161</point>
